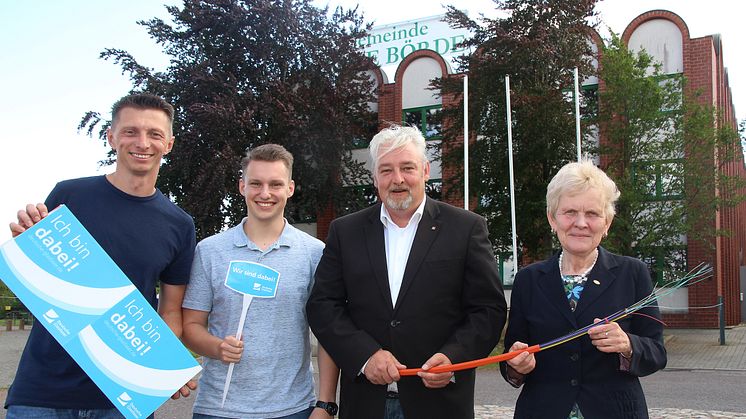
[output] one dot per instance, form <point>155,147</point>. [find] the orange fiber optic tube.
<point>471,364</point>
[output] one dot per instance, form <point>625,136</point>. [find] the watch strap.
<point>329,407</point>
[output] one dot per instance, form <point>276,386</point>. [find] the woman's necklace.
<point>582,276</point>
<point>574,284</point>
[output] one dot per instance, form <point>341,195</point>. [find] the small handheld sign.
<point>250,279</point>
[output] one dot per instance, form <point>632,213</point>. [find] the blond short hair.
<point>269,153</point>
<point>578,177</point>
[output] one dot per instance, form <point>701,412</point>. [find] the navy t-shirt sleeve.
<point>177,272</point>
<point>53,199</point>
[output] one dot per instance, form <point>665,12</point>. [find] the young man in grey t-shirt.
<point>272,359</point>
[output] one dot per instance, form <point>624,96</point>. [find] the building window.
<point>428,119</point>
<point>506,268</point>
<point>434,189</point>
<point>660,180</point>
<point>666,264</point>
<point>674,84</point>
<point>589,102</point>
<point>369,130</point>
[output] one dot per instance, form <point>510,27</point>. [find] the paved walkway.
<point>497,412</point>
<point>687,349</point>
<point>700,349</point>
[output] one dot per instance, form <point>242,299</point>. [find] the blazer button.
<point>574,357</point>
<point>574,382</point>
<point>395,323</point>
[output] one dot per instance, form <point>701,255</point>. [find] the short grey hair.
<point>578,177</point>
<point>394,138</point>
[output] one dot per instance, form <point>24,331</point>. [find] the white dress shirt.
<point>398,244</point>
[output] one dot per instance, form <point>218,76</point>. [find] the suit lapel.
<point>377,254</point>
<point>427,230</point>
<point>553,289</point>
<point>599,280</point>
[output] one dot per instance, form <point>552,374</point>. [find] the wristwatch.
<point>330,407</point>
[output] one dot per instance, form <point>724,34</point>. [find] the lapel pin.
<point>432,228</point>
<point>595,281</point>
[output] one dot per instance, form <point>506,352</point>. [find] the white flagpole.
<point>466,142</point>
<point>577,112</point>
<point>510,168</point>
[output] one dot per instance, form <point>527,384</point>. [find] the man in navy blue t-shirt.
<point>150,239</point>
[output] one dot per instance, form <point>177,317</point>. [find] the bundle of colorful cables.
<point>699,273</point>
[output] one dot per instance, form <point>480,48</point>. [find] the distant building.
<point>664,35</point>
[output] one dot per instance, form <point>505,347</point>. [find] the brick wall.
<point>705,73</point>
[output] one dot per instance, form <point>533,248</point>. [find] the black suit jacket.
<point>576,371</point>
<point>451,301</point>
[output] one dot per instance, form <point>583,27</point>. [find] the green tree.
<point>538,45</point>
<point>249,72</point>
<point>7,298</point>
<point>662,144</point>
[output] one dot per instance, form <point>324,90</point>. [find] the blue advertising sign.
<point>251,278</point>
<point>98,316</point>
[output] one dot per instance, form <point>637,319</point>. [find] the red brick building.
<point>665,36</point>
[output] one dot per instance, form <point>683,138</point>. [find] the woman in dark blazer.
<point>595,376</point>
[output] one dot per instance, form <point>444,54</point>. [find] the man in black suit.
<point>410,282</point>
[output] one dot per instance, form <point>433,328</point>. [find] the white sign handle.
<point>244,309</point>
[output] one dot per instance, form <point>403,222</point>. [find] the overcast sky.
<point>51,74</point>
